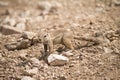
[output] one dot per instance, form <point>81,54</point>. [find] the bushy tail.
<point>91,39</point>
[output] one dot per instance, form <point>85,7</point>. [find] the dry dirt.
<point>97,18</point>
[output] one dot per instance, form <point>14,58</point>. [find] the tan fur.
<point>64,37</point>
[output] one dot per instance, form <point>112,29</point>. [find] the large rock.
<point>7,30</point>
<point>27,78</point>
<point>57,60</point>
<point>22,44</point>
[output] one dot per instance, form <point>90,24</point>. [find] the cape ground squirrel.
<point>61,36</point>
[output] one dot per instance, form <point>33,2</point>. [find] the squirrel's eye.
<point>45,36</point>
<point>40,40</point>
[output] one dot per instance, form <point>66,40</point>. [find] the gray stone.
<point>27,78</point>
<point>7,30</point>
<point>57,60</point>
<point>11,46</point>
<point>22,44</point>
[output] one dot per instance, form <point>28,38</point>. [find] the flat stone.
<point>11,46</point>
<point>27,78</point>
<point>8,30</point>
<point>57,60</point>
<point>22,44</point>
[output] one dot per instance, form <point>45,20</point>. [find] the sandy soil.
<point>100,19</point>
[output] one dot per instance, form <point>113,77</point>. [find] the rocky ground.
<point>96,18</point>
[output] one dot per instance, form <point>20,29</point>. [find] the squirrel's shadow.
<point>44,56</point>
<point>60,50</point>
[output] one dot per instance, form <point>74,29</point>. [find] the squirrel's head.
<point>43,36</point>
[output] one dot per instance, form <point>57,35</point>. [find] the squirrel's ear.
<point>42,30</point>
<point>46,30</point>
